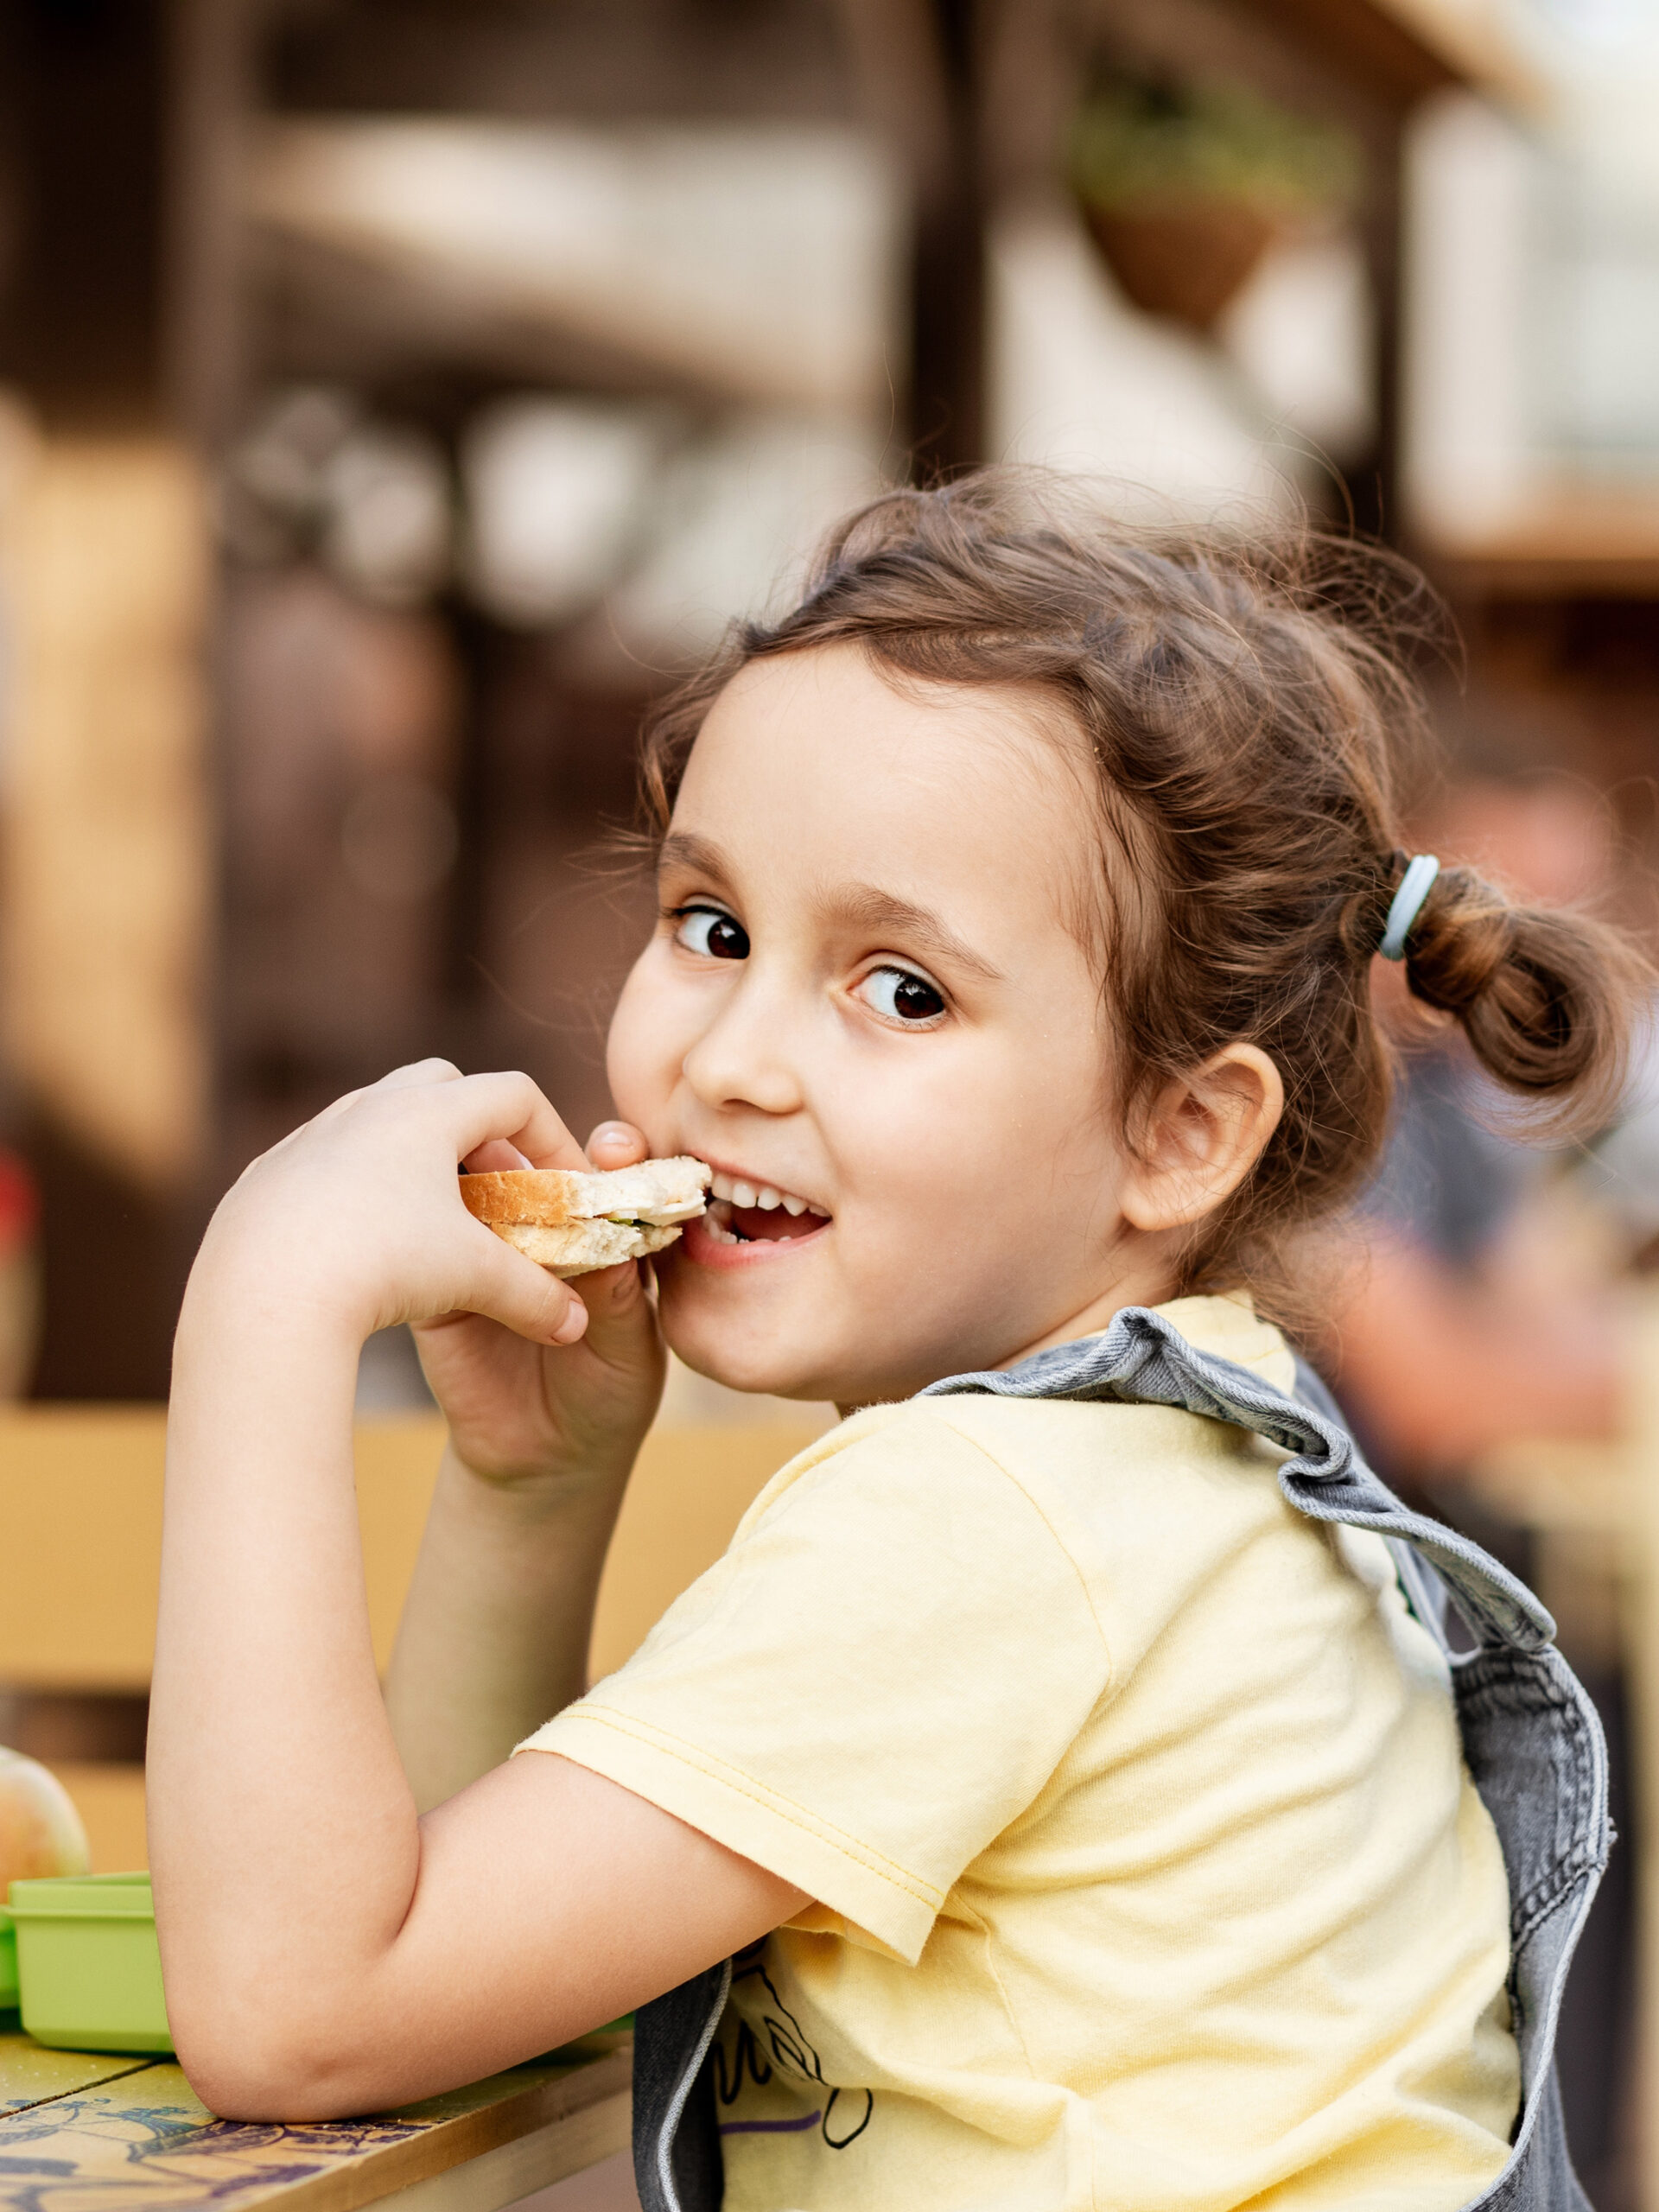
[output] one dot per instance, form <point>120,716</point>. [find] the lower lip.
<point>703,1251</point>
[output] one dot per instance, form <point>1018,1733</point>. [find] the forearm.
<point>312,1953</point>
<point>284,1846</point>
<point>495,1630</point>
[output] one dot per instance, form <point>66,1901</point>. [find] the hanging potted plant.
<point>1185,186</point>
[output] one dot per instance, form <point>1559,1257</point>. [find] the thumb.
<point>525,1298</point>
<point>617,1144</point>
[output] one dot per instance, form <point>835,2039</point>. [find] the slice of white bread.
<point>571,1222</point>
<point>581,1246</point>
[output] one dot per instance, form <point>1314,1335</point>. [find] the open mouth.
<point>741,1212</point>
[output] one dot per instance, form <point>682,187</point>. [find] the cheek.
<point>644,1051</point>
<point>961,1137</point>
<point>1027,1131</point>
<point>1025,1098</point>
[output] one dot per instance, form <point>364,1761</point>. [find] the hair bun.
<point>1542,994</point>
<point>1461,938</point>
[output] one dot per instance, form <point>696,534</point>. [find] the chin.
<point>735,1334</point>
<point>746,1358</point>
<point>772,1370</point>
<point>761,1369</point>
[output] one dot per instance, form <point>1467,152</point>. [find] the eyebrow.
<point>699,855</point>
<point>863,905</point>
<point>867,908</point>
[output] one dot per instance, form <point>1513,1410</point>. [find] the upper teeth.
<point>737,1193</point>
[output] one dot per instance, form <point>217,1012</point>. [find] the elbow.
<point>253,2082</point>
<point>241,2086</point>
<point>265,2062</point>
<point>267,2083</point>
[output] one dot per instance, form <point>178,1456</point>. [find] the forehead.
<point>818,766</point>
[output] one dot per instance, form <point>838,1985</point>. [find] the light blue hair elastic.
<point>1415,887</point>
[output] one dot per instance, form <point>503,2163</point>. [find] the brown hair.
<point>1252,716</point>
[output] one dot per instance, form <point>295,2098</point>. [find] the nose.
<point>747,1056</point>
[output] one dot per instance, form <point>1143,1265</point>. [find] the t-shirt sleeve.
<point>880,1675</point>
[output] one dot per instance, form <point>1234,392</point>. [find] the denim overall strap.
<point>676,2163</point>
<point>1531,1740</point>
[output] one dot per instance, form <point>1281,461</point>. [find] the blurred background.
<point>396,394</point>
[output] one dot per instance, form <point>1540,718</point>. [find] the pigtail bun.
<point>1546,996</point>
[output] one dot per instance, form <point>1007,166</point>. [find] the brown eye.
<point>901,997</point>
<point>716,935</point>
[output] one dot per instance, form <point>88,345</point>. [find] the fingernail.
<point>574,1321</point>
<point>611,1132</point>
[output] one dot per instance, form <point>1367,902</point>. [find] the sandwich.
<point>572,1223</point>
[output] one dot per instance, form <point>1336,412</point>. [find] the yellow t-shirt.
<point>1149,1875</point>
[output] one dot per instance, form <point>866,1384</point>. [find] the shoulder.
<point>1029,1442</point>
<point>921,1456</point>
<point>1085,1473</point>
<point>1115,1477</point>
<point>929,1488</point>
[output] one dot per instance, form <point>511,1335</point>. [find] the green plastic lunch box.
<point>84,1968</point>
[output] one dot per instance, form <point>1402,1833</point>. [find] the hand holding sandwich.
<point>354,1222</point>
<point>517,1409</point>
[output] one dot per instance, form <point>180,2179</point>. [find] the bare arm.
<point>326,1951</point>
<point>496,1627</point>
<point>494,1635</point>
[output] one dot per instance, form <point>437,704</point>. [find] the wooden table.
<point>84,2133</point>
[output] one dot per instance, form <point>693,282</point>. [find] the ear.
<point>1203,1136</point>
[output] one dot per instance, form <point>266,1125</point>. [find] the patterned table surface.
<point>80,2132</point>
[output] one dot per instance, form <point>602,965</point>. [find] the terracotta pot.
<point>1183,258</point>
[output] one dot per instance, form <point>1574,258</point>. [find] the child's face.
<point>864,993</point>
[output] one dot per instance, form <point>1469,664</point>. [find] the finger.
<point>509,1288</point>
<point>509,1106</point>
<point>617,1144</point>
<point>614,1296</point>
<point>622,1327</point>
<point>497,1156</point>
<point>432,1070</point>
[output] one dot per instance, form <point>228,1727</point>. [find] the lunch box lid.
<point>82,1897</point>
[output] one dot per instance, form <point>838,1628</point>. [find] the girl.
<point>1059,1795</point>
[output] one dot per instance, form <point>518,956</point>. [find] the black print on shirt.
<point>841,2120</point>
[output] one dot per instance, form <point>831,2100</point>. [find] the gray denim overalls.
<point>1531,1736</point>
